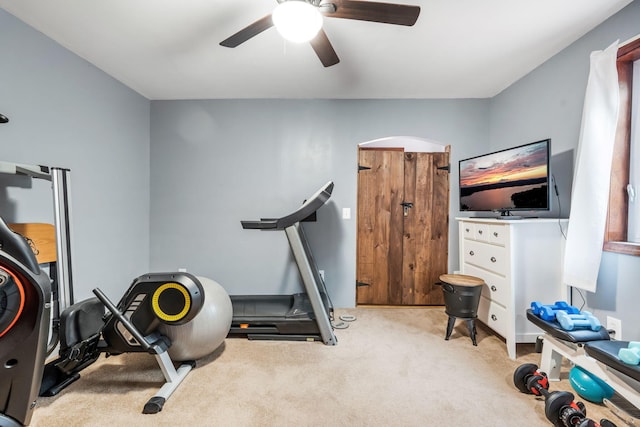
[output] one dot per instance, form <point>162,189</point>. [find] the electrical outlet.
<point>615,325</point>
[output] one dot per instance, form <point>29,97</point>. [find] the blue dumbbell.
<point>548,312</point>
<point>584,320</point>
<point>631,354</point>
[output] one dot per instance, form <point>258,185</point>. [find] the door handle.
<point>406,206</point>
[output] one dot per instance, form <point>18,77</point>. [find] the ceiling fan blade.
<point>323,48</point>
<point>388,13</point>
<point>249,31</point>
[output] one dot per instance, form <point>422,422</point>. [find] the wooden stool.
<point>461,299</point>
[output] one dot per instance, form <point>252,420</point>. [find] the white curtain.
<point>590,197</point>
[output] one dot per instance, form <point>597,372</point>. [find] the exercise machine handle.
<point>308,208</point>
<point>125,322</point>
<point>16,246</point>
<point>263,224</point>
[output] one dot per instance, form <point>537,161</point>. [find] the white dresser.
<point>520,261</point>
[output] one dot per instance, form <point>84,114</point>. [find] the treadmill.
<point>299,317</point>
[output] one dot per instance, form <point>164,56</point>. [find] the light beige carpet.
<point>391,367</point>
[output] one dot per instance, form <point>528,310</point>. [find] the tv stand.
<point>520,262</point>
<point>506,214</point>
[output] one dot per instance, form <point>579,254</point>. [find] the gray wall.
<point>214,163</point>
<point>64,112</point>
<point>548,103</point>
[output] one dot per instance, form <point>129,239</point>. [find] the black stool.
<point>461,299</point>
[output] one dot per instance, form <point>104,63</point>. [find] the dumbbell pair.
<point>559,406</point>
<point>584,320</point>
<point>548,311</point>
<point>568,316</point>
<point>631,354</point>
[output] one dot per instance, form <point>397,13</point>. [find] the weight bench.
<point>591,350</point>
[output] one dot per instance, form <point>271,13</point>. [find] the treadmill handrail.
<point>311,205</point>
<point>262,224</point>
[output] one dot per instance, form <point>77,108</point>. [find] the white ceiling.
<point>169,49</point>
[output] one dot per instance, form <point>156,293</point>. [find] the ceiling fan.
<point>388,13</point>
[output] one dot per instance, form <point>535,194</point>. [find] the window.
<point>616,233</point>
<point>633,233</point>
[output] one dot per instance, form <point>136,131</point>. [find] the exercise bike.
<point>25,292</point>
<point>141,322</point>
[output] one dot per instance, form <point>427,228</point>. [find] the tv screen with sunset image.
<point>512,179</point>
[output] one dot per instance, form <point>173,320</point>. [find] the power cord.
<point>555,189</point>
<point>584,301</point>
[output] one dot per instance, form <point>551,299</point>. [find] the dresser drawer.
<point>498,234</point>
<point>493,315</point>
<point>495,234</point>
<point>496,288</point>
<point>467,230</point>
<point>489,257</point>
<point>481,232</point>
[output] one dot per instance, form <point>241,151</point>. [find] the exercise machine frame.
<point>24,334</point>
<point>61,274</point>
<point>255,316</point>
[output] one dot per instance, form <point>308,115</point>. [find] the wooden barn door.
<point>403,226</point>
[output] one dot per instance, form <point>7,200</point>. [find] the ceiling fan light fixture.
<point>297,21</point>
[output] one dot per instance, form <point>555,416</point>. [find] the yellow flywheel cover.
<point>161,313</point>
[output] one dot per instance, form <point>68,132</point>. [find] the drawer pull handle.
<point>493,317</point>
<point>471,253</point>
<point>466,229</point>
<point>495,234</point>
<point>493,288</point>
<point>493,259</point>
<point>479,231</point>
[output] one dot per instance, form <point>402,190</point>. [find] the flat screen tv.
<point>515,179</point>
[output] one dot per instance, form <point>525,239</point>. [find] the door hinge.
<point>445,168</point>
<point>363,168</point>
<point>359,284</point>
